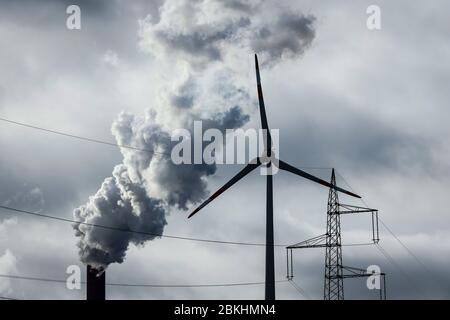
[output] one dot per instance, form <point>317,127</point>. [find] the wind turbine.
<point>266,160</point>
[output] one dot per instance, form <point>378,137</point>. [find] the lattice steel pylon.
<point>334,281</point>
<point>335,271</point>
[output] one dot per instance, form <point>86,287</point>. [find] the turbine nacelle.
<point>267,158</point>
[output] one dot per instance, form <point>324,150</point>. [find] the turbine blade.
<point>249,168</point>
<point>262,108</point>
<point>287,167</point>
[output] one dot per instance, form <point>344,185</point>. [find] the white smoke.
<point>202,31</point>
<point>195,44</point>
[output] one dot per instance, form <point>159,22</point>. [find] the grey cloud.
<point>184,98</point>
<point>353,140</point>
<point>183,101</point>
<point>53,51</point>
<point>182,31</point>
<point>27,198</point>
<point>238,5</point>
<point>288,37</point>
<point>203,40</point>
<point>231,119</point>
<point>17,192</point>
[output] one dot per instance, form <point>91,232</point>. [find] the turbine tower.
<point>266,160</point>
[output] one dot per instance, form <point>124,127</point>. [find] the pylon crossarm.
<point>348,209</point>
<point>316,242</point>
<point>361,273</point>
<point>358,272</point>
<point>346,276</point>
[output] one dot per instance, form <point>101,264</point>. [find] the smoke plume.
<point>198,46</point>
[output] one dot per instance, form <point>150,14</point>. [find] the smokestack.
<point>95,288</point>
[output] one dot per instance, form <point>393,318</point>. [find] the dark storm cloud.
<point>355,140</point>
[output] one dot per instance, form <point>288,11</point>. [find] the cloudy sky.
<point>370,103</point>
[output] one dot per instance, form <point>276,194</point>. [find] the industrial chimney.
<point>95,287</point>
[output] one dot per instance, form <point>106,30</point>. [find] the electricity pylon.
<point>335,271</point>
<point>334,283</point>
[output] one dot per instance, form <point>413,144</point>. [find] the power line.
<point>405,247</point>
<point>391,260</point>
<point>41,215</point>
<point>94,140</point>
<point>204,285</point>
<point>300,290</point>
<point>384,252</point>
<point>81,137</point>
<point>393,234</point>
<point>132,231</point>
<point>419,261</point>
